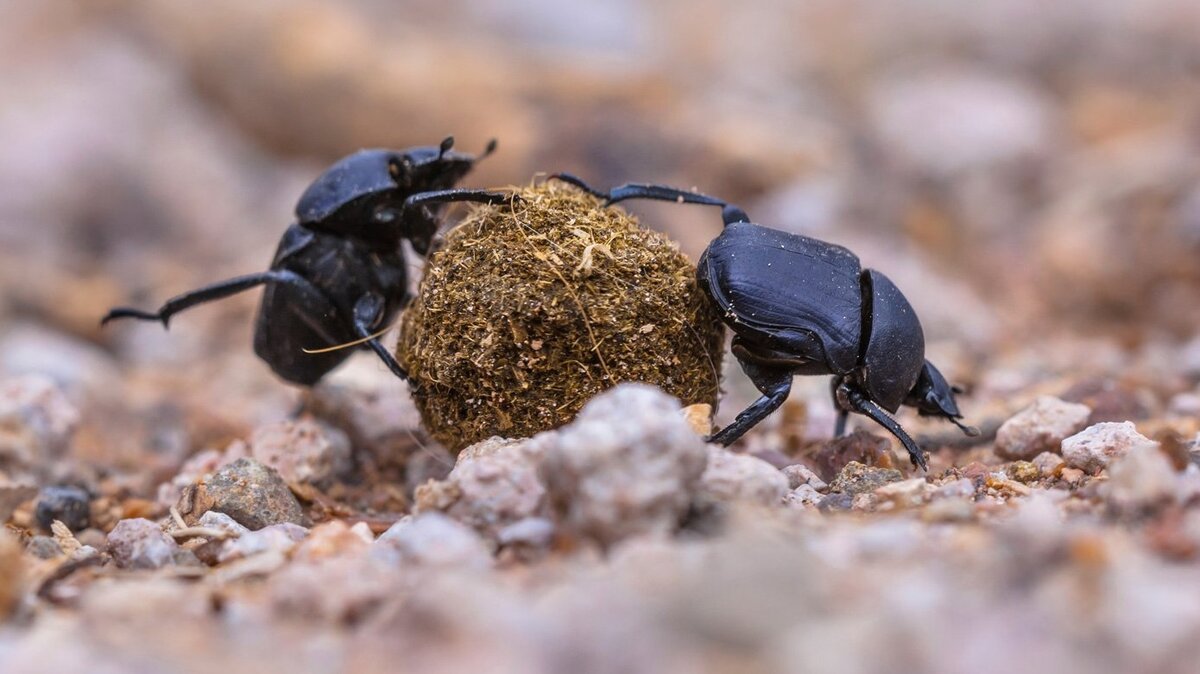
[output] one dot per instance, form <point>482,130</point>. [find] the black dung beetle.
<point>798,305</point>
<point>339,274</point>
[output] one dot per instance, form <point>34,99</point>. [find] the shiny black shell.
<point>787,292</point>
<point>341,270</point>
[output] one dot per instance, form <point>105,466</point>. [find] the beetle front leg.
<point>366,313</point>
<point>864,405</point>
<point>775,384</point>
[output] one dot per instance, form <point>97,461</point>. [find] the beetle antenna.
<point>445,147</point>
<point>969,431</point>
<point>488,150</point>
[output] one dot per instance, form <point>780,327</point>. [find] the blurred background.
<point>1028,172</point>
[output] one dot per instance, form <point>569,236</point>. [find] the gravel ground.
<point>1027,174</point>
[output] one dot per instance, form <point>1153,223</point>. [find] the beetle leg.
<point>640,191</point>
<point>209,293</point>
<point>445,196</point>
<point>839,428</point>
<point>775,384</point>
<point>366,312</point>
<point>866,406</point>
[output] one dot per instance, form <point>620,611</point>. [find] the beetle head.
<point>933,396</point>
<point>362,195</point>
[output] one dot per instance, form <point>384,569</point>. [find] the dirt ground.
<point>1027,173</point>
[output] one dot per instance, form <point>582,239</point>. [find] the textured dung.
<point>528,311</point>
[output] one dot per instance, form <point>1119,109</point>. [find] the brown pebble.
<point>246,490</point>
<point>860,446</point>
<point>856,478</point>
<point>1023,471</point>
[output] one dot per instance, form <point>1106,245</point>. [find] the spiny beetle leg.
<point>775,384</point>
<point>866,406</point>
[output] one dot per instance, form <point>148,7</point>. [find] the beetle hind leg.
<point>209,293</point>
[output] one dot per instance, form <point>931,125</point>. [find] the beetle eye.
<point>384,215</point>
<point>397,167</point>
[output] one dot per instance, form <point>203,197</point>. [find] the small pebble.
<point>856,479</point>
<point>627,465</point>
<point>905,493</point>
<point>860,446</point>
<point>1041,427</point>
<point>67,504</point>
<point>141,544</point>
<point>1048,463</point>
<point>276,538</point>
<point>798,474</point>
<point>246,490</point>
<point>1023,471</point>
<point>493,484</point>
<point>738,477</point>
<point>37,422</point>
<point>303,451</point>
<point>962,488</point>
<point>1093,448</point>
<point>334,539</point>
<point>43,547</point>
<point>803,496</point>
<point>433,540</point>
<point>835,501</point>
<point>1139,481</point>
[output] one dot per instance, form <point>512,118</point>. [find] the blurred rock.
<point>334,539</point>
<point>905,493</point>
<point>1093,448</point>
<point>246,490</point>
<point>799,474</point>
<point>66,504</point>
<point>1023,471</point>
<point>738,477</point>
<point>13,495</point>
<point>43,547</point>
<point>36,424</point>
<point>302,451</point>
<point>1041,427</point>
<point>222,522</point>
<point>76,366</point>
<point>338,590</point>
<point>276,538</point>
<point>1048,463</point>
<point>432,540</point>
<point>987,121</point>
<point>961,488</point>
<point>803,496</point>
<point>627,465</point>
<point>859,446</point>
<point>141,544</point>
<point>493,484</point>
<point>195,468</point>
<point>857,479</point>
<point>1140,480</point>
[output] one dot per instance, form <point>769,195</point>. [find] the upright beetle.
<point>798,305</point>
<point>339,273</point>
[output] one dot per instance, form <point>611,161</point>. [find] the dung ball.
<point>532,307</point>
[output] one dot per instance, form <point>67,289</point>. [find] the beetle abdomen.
<point>771,283</point>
